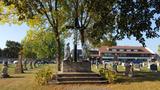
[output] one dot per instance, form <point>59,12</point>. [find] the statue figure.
<point>67,52</point>
<point>84,51</point>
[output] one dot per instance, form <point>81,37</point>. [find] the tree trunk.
<point>58,38</point>
<point>82,37</point>
<point>34,63</point>
<point>25,65</point>
<point>59,52</point>
<point>30,64</point>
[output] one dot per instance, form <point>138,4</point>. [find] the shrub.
<point>108,74</point>
<point>43,76</point>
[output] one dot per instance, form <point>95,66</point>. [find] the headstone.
<point>5,70</point>
<point>137,67</point>
<point>153,67</point>
<point>131,72</point>
<point>19,66</point>
<point>143,64</point>
<point>123,64</point>
<point>129,69</point>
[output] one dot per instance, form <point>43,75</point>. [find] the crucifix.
<point>76,27</point>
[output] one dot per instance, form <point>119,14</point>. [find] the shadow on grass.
<point>16,76</point>
<point>138,77</point>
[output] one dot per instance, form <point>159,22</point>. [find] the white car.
<point>15,62</point>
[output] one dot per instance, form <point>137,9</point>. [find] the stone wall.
<point>84,66</point>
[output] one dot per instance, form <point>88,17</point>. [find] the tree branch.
<point>45,12</point>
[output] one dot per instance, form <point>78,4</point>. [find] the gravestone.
<point>128,69</point>
<point>5,70</point>
<point>114,66</point>
<point>137,67</point>
<point>153,67</point>
<point>19,66</point>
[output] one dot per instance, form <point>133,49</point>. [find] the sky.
<point>17,33</point>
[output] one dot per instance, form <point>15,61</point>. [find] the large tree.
<point>12,49</point>
<point>40,44</point>
<point>48,12</point>
<point>120,18</point>
<point>103,22</point>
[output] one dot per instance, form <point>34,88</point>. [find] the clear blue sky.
<point>17,33</point>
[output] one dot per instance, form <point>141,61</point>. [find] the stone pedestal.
<point>68,66</point>
<point>19,66</point>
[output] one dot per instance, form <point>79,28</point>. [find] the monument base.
<point>68,66</point>
<point>77,73</point>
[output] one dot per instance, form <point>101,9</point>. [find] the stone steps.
<point>82,82</point>
<point>79,77</point>
<point>77,74</point>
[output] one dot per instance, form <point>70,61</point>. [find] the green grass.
<point>143,81</point>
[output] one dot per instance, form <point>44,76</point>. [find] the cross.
<point>75,40</point>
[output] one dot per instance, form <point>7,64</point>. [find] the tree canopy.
<point>39,44</point>
<point>12,49</point>
<point>120,18</point>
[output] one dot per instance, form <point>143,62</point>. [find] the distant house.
<point>125,53</point>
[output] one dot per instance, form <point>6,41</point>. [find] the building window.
<point>122,55</point>
<point>110,49</point>
<point>135,50</point>
<point>114,49</point>
<point>108,55</point>
<point>121,50</point>
<point>128,50</point>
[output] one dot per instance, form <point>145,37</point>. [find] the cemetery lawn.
<point>144,80</point>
